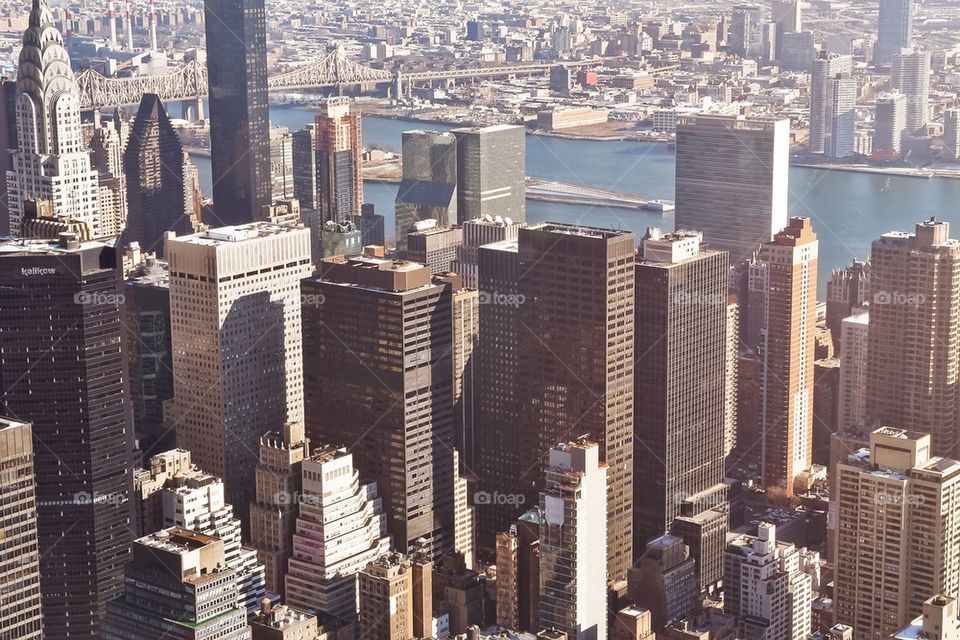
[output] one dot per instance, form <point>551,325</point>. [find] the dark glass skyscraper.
<point>153,164</point>
<point>894,29</point>
<point>491,172</point>
<point>62,369</point>
<point>239,109</point>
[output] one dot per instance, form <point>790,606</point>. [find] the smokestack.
<point>112,16</point>
<point>153,27</point>
<point>130,29</point>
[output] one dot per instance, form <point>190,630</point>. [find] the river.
<point>849,210</point>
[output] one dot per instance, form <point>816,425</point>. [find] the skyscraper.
<point>236,34</point>
<point>786,13</point>
<point>897,527</point>
<point>788,281</point>
<point>51,162</point>
<point>66,376</point>
<point>731,180</point>
<point>476,233</point>
<point>910,75</point>
<point>106,152</point>
<point>491,172</point>
<point>681,298</point>
<point>852,408</point>
<point>386,599</point>
<point>847,290</point>
<point>428,190</point>
<point>843,116</point>
<point>281,164</point>
<point>237,356</point>
<point>382,384</point>
<point>577,285</point>
<point>573,538</point>
<point>19,558</point>
<point>744,29</point>
<point>823,98</point>
<point>339,167</point>
<point>891,123</point>
<point>894,29</point>
<point>154,166</point>
<point>912,377</point>
<point>951,134</point>
<point>304,149</point>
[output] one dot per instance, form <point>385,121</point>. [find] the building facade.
<point>338,159</point>
<point>491,172</point>
<point>910,75</point>
<point>428,190</point>
<point>894,29</point>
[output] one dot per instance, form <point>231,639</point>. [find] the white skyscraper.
<point>853,370</point>
<point>573,549</point>
<point>825,70</point>
<point>50,162</point>
<point>341,528</point>
<point>843,116</point>
<point>910,75</point>
<point>237,351</point>
<point>951,134</point>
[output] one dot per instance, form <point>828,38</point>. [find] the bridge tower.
<point>192,109</point>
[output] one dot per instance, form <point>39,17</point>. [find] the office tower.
<point>745,29</point>
<point>787,279</point>
<point>847,290</point>
<point>894,29</point>
<point>428,190</point>
<point>491,172</point>
<point>303,146</point>
<point>149,353</point>
<point>910,75</point>
<point>8,140</point>
<point>274,514</point>
<point>339,166</point>
<point>392,405</point>
<point>66,376</point>
<point>179,494</point>
<point>903,497</point>
<point>731,180</point>
<point>50,162</point>
<point>852,409</point>
<point>938,621</point>
<point>500,467</point>
<point>282,622</point>
<point>797,51</point>
<point>19,558</point>
<point>766,588</point>
<point>476,233</point>
<point>518,573</point>
<point>177,587</point>
<point>154,165</point>
<point>664,581</point>
<point>236,37</point>
<point>386,590</point>
<point>823,98</point>
<point>573,567</point>
<point>912,373</point>
<point>786,13</point>
<point>466,384</point>
<point>106,154</point>
<point>577,285</point>
<point>951,134</point>
<point>370,225</point>
<point>464,519</point>
<point>891,123</point>
<point>704,532</point>
<point>433,246</point>
<point>322,570</point>
<point>281,164</point>
<point>681,290</point>
<point>236,346</point>
<point>731,376</point>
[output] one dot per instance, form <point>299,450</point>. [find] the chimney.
<point>112,17</point>
<point>153,27</point>
<point>129,28</point>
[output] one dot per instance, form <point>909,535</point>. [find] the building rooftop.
<point>236,233</point>
<point>66,244</point>
<point>579,230</point>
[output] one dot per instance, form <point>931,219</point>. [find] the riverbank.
<point>903,172</point>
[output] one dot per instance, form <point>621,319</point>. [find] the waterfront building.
<point>951,134</point>
<point>491,172</point>
<point>894,29</point>
<point>428,190</point>
<point>823,98</point>
<point>891,123</point>
<point>910,75</point>
<point>338,160</point>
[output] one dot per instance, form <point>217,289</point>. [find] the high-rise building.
<point>433,246</point>
<point>19,557</point>
<point>731,375</point>
<point>894,29</point>
<point>518,573</point>
<point>664,580</point>
<point>797,51</point>
<point>896,535</point>
<point>573,568</point>
<point>304,150</point>
<point>910,75</point>
<point>913,368</point>
<point>841,140</point>
<point>177,586</point>
<point>428,190</point>
<point>371,226</point>
<point>50,162</point>
<point>731,180</point>
<point>466,333</point>
<point>681,298</point>
<point>386,599</point>
<point>891,123</point>
<point>939,621</point>
<point>282,622</point>
<point>236,36</point>
<point>786,13</point>
<point>274,514</point>
<point>823,98</point>
<point>852,409</point>
<point>66,376</point>
<point>106,154</point>
<point>476,233</point>
<point>745,22</point>
<point>341,528</point>
<point>951,134</point>
<point>391,404</point>
<point>154,165</point>
<point>281,164</point>
<point>491,172</point>
<point>847,290</point>
<point>237,355</point>
<point>577,285</point>
<point>766,588</point>
<point>787,280</point>
<point>339,165</point>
